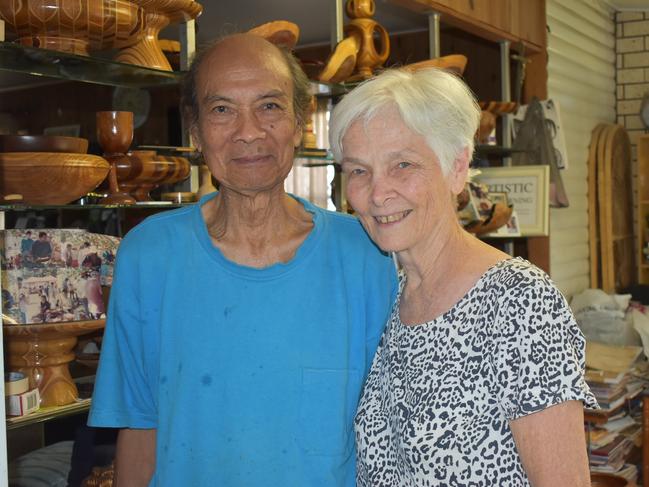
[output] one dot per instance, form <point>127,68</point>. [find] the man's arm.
<point>552,446</point>
<point>135,457</point>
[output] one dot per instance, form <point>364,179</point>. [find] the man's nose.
<point>249,128</point>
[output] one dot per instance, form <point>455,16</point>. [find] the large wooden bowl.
<point>43,352</point>
<point>43,143</point>
<point>49,178</point>
<point>608,480</point>
<point>74,26</point>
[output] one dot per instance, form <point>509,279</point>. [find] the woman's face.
<point>395,183</point>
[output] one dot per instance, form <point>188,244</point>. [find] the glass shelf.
<point>153,204</point>
<point>48,413</point>
<point>60,65</point>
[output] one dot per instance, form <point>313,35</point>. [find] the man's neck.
<point>258,229</point>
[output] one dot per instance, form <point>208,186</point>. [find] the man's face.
<point>246,127</point>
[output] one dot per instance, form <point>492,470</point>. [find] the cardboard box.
<point>21,404</point>
<point>55,275</point>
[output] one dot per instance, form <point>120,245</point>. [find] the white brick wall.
<point>632,48</point>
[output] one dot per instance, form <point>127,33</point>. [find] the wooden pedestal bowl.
<point>158,15</point>
<point>73,26</point>
<point>42,352</point>
<point>43,143</point>
<point>49,178</point>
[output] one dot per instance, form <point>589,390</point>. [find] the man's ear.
<point>196,140</point>
<point>459,172</point>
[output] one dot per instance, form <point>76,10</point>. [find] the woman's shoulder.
<point>518,275</point>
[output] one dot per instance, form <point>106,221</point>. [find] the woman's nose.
<point>248,128</point>
<point>382,190</point>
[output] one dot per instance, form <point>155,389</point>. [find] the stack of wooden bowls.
<point>141,171</point>
<point>47,170</point>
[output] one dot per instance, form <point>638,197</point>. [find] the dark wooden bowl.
<point>49,178</point>
<point>43,143</point>
<point>607,480</point>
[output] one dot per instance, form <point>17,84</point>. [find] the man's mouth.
<point>393,218</point>
<point>250,159</point>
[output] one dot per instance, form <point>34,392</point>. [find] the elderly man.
<point>240,329</point>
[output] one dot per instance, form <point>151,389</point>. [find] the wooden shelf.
<point>49,413</point>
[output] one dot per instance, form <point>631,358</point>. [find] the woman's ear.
<point>459,172</point>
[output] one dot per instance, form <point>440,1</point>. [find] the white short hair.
<point>432,102</point>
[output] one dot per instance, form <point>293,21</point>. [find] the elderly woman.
<point>240,329</point>
<point>478,378</point>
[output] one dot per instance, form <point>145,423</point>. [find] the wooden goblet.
<point>115,134</point>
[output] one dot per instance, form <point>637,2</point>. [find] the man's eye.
<point>403,165</point>
<point>220,109</point>
<point>357,171</point>
<point>271,105</point>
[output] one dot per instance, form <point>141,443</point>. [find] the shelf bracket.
<point>337,22</point>
<point>433,35</point>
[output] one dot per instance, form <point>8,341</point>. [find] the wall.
<point>581,77</point>
<point>632,48</point>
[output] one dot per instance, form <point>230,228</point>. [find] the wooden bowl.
<point>43,143</point>
<point>74,26</point>
<point>49,178</point>
<point>607,480</point>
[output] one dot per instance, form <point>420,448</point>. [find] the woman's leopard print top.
<point>437,403</point>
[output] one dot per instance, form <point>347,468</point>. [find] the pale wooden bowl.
<point>49,178</point>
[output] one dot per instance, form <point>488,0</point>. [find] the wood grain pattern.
<point>49,178</point>
<point>42,352</point>
<point>158,15</point>
<point>74,26</point>
<point>593,212</point>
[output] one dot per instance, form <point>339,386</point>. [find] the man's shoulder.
<point>157,229</point>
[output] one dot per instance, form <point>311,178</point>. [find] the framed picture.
<point>527,188</point>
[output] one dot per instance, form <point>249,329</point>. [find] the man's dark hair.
<point>189,98</point>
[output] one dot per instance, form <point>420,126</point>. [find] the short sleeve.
<point>122,396</point>
<point>539,356</point>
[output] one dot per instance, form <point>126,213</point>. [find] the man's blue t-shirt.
<point>250,376</point>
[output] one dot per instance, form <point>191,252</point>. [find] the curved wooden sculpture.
<point>279,32</point>
<point>158,14</point>
<point>356,57</point>
<point>456,63</point>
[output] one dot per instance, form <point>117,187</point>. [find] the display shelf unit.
<point>642,212</point>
